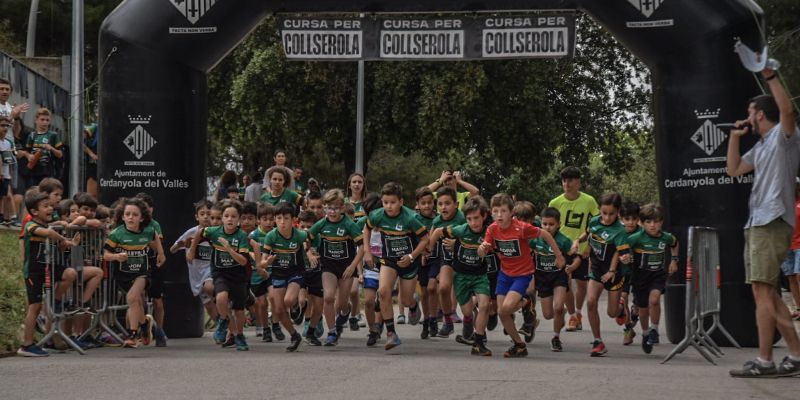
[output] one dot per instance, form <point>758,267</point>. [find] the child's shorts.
<point>313,283</point>
<point>546,282</point>
<point>791,265</point>
<point>644,282</point>
<point>517,284</point>
<point>283,283</point>
<point>237,291</point>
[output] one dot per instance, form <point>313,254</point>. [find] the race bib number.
<point>335,250</point>
<point>224,260</point>
<point>491,264</point>
<point>284,260</point>
<point>469,256</point>
<point>598,248</point>
<point>204,253</point>
<point>136,264</point>
<point>397,246</point>
<point>546,262</point>
<point>652,262</point>
<point>8,157</point>
<point>508,248</point>
<point>447,254</point>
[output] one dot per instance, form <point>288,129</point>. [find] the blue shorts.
<point>517,284</point>
<point>283,283</point>
<point>370,283</point>
<point>791,265</point>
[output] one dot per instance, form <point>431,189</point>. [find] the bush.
<point>12,292</point>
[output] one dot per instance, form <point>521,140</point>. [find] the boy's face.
<point>446,206</point>
<point>391,204</point>
<point>284,222</point>
<point>276,181</point>
<point>266,222</point>
<point>42,123</point>
<point>425,205</point>
<point>202,216</point>
<point>652,226</point>
<point>248,222</point>
<point>5,93</point>
<point>608,214</point>
<point>334,211</point>
<point>305,225</point>
<point>215,217</point>
<point>315,206</point>
<point>233,194</point>
<point>630,223</point>
<point>502,215</point>
<point>43,211</point>
<point>475,220</point>
<point>55,196</point>
<point>74,212</point>
<point>132,216</point>
<point>571,185</point>
<point>551,225</point>
<point>86,211</point>
<point>230,219</point>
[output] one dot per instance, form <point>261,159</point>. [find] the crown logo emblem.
<point>139,141</point>
<point>139,120</point>
<point>707,114</point>
<point>708,137</point>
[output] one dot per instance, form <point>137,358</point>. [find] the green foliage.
<point>783,32</point>
<point>12,292</point>
<point>8,43</point>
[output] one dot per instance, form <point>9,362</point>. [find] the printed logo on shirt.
<point>574,220</point>
<point>508,248</point>
<point>340,232</point>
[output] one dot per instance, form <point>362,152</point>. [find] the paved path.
<point>193,369</point>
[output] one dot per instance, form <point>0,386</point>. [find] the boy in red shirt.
<point>509,238</point>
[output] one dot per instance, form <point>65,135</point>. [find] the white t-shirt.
<point>5,111</point>
<point>199,269</point>
<point>5,146</point>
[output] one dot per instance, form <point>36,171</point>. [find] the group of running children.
<point>492,259</point>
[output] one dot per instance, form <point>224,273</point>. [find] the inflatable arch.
<point>153,111</point>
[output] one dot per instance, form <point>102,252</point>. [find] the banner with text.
<point>428,37</point>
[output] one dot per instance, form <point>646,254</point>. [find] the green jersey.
<point>358,206</point>
<point>650,252</point>
<point>439,251</point>
<point>136,245</point>
<point>289,252</point>
<point>605,240</point>
<point>35,144</point>
<point>399,234</point>
<point>465,252</point>
<point>35,246</point>
<point>222,263</point>
<point>427,222</point>
<point>543,254</point>
<point>336,241</point>
<point>288,196</point>
<point>257,236</point>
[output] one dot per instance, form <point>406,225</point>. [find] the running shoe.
<point>572,325</point>
<point>354,324</point>
<point>579,325</point>
<point>221,332</point>
<point>296,315</point>
<point>15,224</point>
<point>362,323</point>
<point>480,349</point>
<point>259,331</point>
<point>161,337</point>
<point>83,345</point>
<point>241,343</point>
<point>211,324</point>
<point>147,330</point>
<point>130,343</point>
<point>32,350</point>
<point>654,337</point>
<point>788,367</point>
<point>621,315</point>
<point>414,314</point>
<point>392,341</point>
<point>320,329</point>
<point>796,315</point>
<point>555,344</point>
<point>372,338</point>
<point>467,330</point>
<point>401,319</point>
<point>433,329</point>
<point>296,339</point>
<point>516,350</point>
<point>267,337</point>
<point>598,349</point>
<point>306,323</point>
<point>492,322</point>
<point>527,330</point>
<point>469,341</point>
<point>333,339</point>
<point>753,369</point>
<point>312,340</point>
<point>229,342</point>
<point>628,336</point>
<point>276,330</point>
<point>425,333</point>
<point>446,330</point>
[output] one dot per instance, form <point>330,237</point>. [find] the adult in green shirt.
<point>277,192</point>
<point>453,179</point>
<point>576,209</point>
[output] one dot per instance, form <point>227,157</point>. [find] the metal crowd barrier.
<point>702,295</point>
<point>105,302</point>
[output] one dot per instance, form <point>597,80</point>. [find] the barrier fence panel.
<point>702,295</point>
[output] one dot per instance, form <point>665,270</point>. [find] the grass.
<point>12,291</point>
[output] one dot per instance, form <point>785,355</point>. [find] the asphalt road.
<point>193,369</point>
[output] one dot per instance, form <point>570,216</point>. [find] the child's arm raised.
<point>198,237</point>
<point>239,258</point>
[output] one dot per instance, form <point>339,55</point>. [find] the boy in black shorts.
<point>629,214</point>
<point>430,289</point>
<point>312,285</point>
<point>260,280</point>
<point>156,289</point>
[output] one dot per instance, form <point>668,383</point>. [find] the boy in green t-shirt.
<point>441,259</point>
<point>629,214</point>
<point>156,289</point>
<point>430,288</point>
<point>403,240</point>
<point>42,148</point>
<point>260,280</point>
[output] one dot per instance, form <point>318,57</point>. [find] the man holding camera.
<point>453,180</point>
<point>774,160</point>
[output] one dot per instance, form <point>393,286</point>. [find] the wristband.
<point>771,77</point>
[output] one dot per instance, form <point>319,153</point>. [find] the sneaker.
<point>480,349</point>
<point>516,350</point>
<point>787,367</point>
<point>340,321</point>
<point>259,331</point>
<point>15,224</point>
<point>354,324</point>
<point>320,329</point>
<point>528,330</point>
<point>647,345</point>
<point>654,337</point>
<point>628,336</point>
<point>446,330</point>
<point>222,331</point>
<point>579,325</point>
<point>372,338</point>
<point>296,339</point>
<point>32,350</point>
<point>621,315</point>
<point>753,369</point>
<point>414,315</point>
<point>333,339</point>
<point>147,332</point>
<point>469,341</point>
<point>492,322</point>
<point>634,314</point>
<point>267,337</point>
<point>598,349</point>
<point>555,344</point>
<point>572,325</point>
<point>433,329</point>
<point>312,340</point>
<point>161,337</point>
<point>401,319</point>
<point>425,333</point>
<point>211,324</point>
<point>41,323</point>
<point>229,342</point>
<point>296,315</point>
<point>362,323</point>
<point>276,330</point>
<point>306,323</point>
<point>392,341</point>
<point>241,343</point>
<point>83,345</point>
<point>130,343</point>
